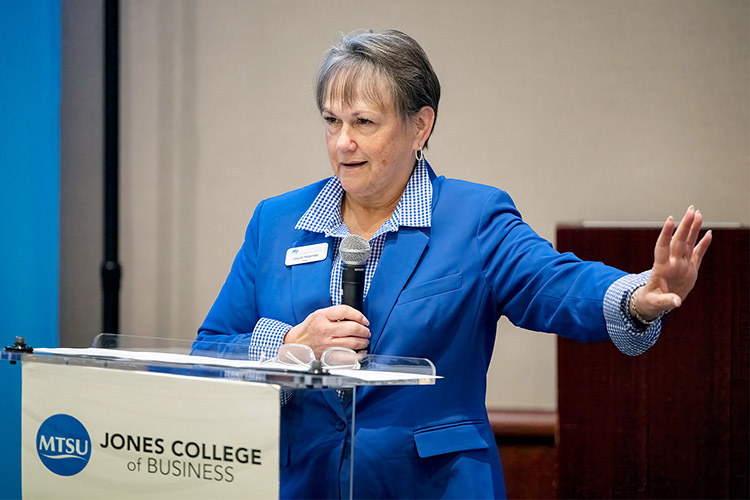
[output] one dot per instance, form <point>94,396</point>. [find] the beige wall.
<point>607,110</point>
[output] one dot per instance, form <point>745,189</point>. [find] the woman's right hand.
<point>335,326</point>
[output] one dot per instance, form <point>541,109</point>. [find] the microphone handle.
<point>353,285</point>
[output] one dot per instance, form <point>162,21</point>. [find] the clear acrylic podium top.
<point>231,361</point>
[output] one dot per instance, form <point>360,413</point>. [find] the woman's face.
<point>371,149</point>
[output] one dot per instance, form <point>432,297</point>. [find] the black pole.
<point>110,269</point>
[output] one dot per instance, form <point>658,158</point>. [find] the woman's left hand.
<point>676,262</point>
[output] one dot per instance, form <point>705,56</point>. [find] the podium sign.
<point>94,432</point>
<point>143,417</point>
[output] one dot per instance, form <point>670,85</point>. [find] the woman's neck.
<point>365,219</point>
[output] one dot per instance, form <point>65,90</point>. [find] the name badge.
<point>308,253</point>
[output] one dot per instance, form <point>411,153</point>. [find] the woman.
<point>448,259</point>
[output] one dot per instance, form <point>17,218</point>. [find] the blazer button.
<point>340,425</point>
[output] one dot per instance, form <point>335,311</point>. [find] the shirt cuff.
<point>629,338</point>
<point>268,335</point>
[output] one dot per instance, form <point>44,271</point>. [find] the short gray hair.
<point>361,60</point>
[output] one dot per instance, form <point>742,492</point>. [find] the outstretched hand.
<point>677,259</point>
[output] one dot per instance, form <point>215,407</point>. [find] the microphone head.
<point>355,250</point>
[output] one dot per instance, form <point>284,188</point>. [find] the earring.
<point>419,154</point>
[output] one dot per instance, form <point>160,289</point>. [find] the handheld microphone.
<point>355,250</point>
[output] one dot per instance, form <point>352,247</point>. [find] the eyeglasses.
<point>303,355</point>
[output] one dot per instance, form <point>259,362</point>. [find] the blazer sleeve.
<point>536,287</point>
<point>228,327</point>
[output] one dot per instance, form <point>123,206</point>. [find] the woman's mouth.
<point>352,164</point>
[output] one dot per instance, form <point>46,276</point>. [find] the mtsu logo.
<point>63,445</point>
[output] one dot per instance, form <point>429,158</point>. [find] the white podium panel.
<point>94,432</point>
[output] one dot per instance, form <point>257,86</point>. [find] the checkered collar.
<point>413,210</point>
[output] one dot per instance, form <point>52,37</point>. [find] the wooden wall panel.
<point>526,441</point>
<point>672,423</point>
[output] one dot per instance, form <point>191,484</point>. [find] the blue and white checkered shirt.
<point>414,210</point>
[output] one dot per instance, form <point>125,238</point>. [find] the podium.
<point>140,417</point>
<point>673,422</point>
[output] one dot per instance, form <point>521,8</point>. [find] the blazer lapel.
<point>311,282</point>
<point>400,256</point>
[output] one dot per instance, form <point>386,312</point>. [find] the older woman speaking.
<point>448,258</point>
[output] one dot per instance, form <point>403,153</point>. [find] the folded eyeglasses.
<point>332,358</point>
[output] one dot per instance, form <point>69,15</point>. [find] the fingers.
<point>353,343</point>
<point>653,304</point>
<point>335,326</point>
<point>695,228</point>
<point>679,245</point>
<point>339,321</point>
<point>348,329</point>
<point>682,243</point>
<point>677,259</point>
<point>661,251</point>
<point>684,228</point>
<point>700,249</point>
<point>344,313</point>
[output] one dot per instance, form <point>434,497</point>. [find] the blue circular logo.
<point>63,445</point>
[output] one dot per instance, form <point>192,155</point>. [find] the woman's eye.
<point>363,121</point>
<point>329,119</point>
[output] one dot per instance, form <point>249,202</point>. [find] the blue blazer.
<point>437,293</point>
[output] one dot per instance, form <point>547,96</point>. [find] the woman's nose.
<point>345,141</point>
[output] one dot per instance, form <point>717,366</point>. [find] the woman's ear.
<point>424,119</point>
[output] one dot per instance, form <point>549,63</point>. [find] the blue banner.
<point>29,201</point>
